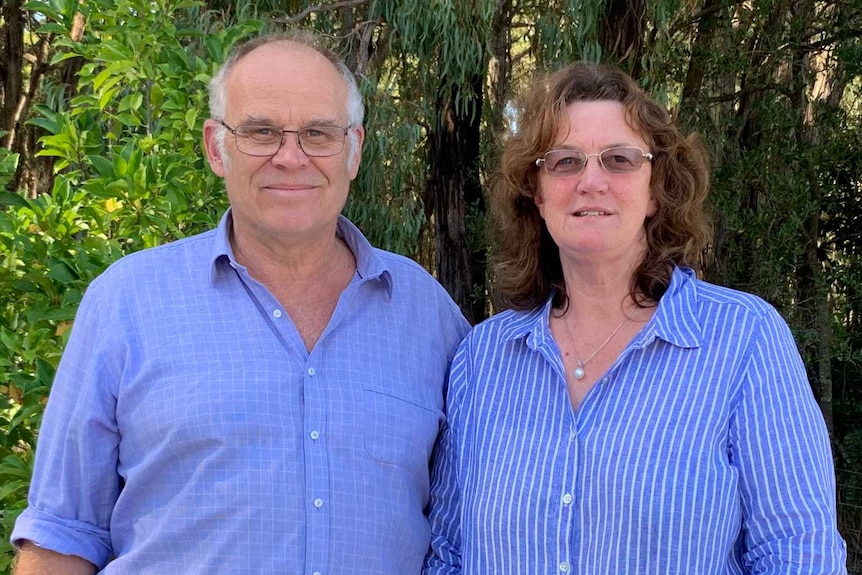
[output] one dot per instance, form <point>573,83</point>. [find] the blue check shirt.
<point>189,431</point>
<point>700,452</point>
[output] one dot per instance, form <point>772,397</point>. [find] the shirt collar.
<point>675,321</point>
<point>369,264</point>
<point>531,324</point>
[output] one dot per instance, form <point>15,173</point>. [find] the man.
<point>262,398</point>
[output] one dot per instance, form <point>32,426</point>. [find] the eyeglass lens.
<point>319,141</point>
<point>614,160</point>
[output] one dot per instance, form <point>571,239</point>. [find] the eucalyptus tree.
<point>774,81</point>
<point>114,94</point>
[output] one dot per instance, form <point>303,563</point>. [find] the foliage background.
<point>102,103</point>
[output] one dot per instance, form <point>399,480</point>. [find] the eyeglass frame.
<point>541,162</point>
<point>281,143</point>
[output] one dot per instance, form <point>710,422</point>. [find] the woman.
<point>625,417</point>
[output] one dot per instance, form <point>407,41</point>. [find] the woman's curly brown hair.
<point>528,261</point>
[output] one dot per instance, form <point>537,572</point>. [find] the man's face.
<point>288,196</point>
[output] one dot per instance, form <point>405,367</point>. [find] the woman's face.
<point>596,216</point>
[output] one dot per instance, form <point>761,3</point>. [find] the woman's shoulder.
<point>710,294</point>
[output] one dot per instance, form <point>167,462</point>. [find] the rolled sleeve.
<point>64,536</point>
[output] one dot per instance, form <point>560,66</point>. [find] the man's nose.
<point>290,151</point>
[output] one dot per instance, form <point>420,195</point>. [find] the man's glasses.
<point>614,160</point>
<point>316,141</point>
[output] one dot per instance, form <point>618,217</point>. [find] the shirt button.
<point>567,498</point>
<point>276,313</point>
<point>564,566</point>
<point>318,502</point>
<point>316,573</point>
<point>314,434</point>
<point>311,371</point>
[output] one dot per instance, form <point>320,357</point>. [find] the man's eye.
<point>261,133</point>
<point>320,135</point>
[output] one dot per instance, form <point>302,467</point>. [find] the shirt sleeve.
<point>779,444</point>
<point>444,557</point>
<point>75,482</point>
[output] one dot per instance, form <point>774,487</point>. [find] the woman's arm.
<point>780,445</point>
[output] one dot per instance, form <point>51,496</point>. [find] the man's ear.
<point>353,162</point>
<point>214,156</point>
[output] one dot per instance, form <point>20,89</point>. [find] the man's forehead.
<point>287,77</point>
<point>288,55</point>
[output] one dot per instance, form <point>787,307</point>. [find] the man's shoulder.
<point>407,275</point>
<point>399,264</point>
<point>413,286</point>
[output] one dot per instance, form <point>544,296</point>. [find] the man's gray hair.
<point>218,83</point>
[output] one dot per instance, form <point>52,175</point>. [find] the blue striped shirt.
<point>700,451</point>
<point>189,431</point>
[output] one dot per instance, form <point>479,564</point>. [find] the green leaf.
<point>61,273</point>
<point>8,488</point>
<point>52,28</point>
<point>7,470</point>
<point>191,117</point>
<point>62,56</point>
<point>60,314</point>
<point>9,341</point>
<point>23,414</point>
<point>103,165</point>
<point>14,200</point>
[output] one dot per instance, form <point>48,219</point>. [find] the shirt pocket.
<point>400,431</point>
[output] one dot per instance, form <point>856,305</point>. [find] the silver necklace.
<point>579,372</point>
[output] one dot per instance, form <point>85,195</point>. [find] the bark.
<point>69,68</point>
<point>702,45</point>
<point>622,34</point>
<point>500,67</point>
<point>11,66</point>
<point>455,187</point>
<point>814,285</point>
<point>499,80</point>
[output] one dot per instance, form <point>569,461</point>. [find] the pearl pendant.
<point>578,372</point>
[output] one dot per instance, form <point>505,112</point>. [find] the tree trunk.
<point>457,195</point>
<point>622,34</point>
<point>499,80</point>
<point>702,45</point>
<point>828,88</point>
<point>11,67</point>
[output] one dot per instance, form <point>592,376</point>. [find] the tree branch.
<point>320,8</point>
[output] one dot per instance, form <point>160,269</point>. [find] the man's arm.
<point>35,560</point>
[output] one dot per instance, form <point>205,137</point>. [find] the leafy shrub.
<point>130,174</point>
